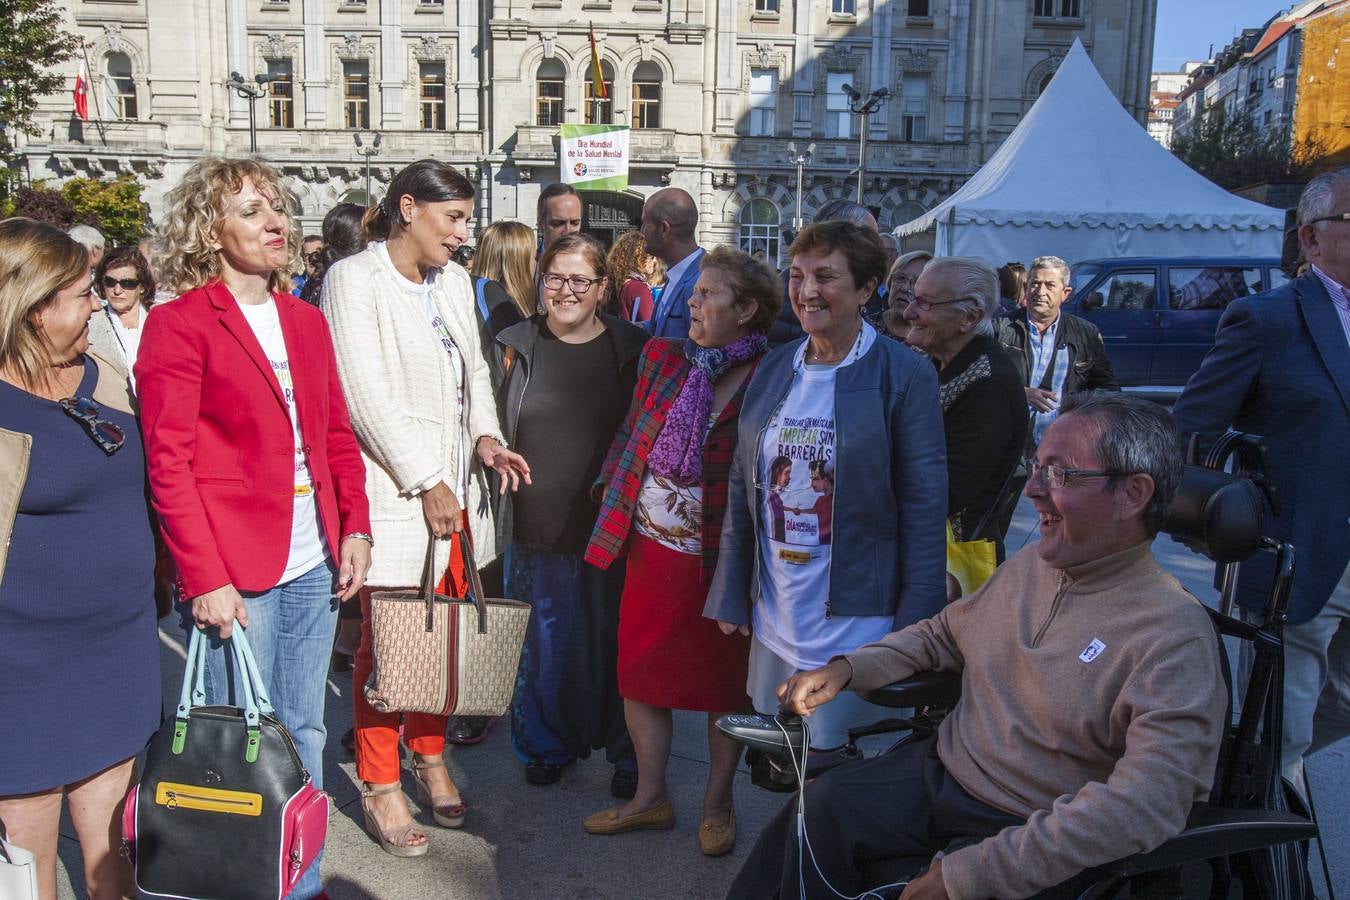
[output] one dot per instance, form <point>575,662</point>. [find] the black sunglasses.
<point>128,284</point>
<point>108,435</point>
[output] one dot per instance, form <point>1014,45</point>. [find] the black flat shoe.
<point>349,741</point>
<point>624,784</point>
<point>543,773</point>
<point>466,730</point>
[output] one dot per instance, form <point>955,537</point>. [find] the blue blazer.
<point>1280,368</point>
<point>890,492</point>
<point>670,319</point>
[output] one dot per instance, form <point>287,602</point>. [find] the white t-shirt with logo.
<point>307,543</point>
<point>796,477</point>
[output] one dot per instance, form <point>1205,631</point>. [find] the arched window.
<point>760,232</point>
<point>1045,83</point>
<point>593,100</point>
<point>119,87</point>
<point>548,103</point>
<point>647,96</point>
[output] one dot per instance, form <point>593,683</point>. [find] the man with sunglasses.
<point>1092,699</point>
<point>1280,368</point>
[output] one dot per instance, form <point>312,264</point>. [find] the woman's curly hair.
<point>182,244</point>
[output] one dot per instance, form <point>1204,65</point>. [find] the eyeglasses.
<point>107,435</point>
<point>1335,217</point>
<point>578,284</point>
<point>925,304</point>
<point>1056,476</point>
<point>127,284</point>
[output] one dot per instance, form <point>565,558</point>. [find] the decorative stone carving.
<point>353,48</point>
<point>839,58</point>
<point>113,40</point>
<point>763,57</point>
<point>914,59</point>
<point>1047,66</point>
<point>429,49</point>
<point>275,46</point>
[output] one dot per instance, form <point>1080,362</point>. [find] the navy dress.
<point>79,656</point>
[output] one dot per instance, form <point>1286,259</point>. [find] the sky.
<point>1186,28</point>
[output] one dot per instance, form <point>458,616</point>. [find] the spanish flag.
<point>597,74</point>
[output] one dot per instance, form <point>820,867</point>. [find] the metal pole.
<point>862,154</point>
<point>252,126</point>
<point>797,222</point>
<point>368,203</point>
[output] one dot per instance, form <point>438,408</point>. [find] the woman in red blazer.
<point>254,470</point>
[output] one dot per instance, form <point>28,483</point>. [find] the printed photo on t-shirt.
<point>799,487</point>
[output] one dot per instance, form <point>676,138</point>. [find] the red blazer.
<point>219,445</point>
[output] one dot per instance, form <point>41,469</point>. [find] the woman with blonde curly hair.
<point>635,276</point>
<point>79,671</point>
<point>254,470</point>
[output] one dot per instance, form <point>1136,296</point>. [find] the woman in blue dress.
<point>79,659</point>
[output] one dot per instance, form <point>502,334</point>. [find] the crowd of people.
<point>658,447</point>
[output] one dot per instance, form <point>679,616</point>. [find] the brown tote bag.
<point>447,656</point>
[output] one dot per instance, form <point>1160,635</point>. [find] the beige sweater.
<point>1103,753</point>
<point>397,380</point>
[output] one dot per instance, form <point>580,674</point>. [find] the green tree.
<point>1231,150</point>
<point>31,43</point>
<point>115,204</point>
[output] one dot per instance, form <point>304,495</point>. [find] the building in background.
<point>1163,89</point>
<point>1289,74</point>
<point>714,90</point>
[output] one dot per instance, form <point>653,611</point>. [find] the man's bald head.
<point>669,221</point>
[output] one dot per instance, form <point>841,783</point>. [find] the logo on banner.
<point>594,157</point>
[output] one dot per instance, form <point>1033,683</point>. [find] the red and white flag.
<point>82,91</point>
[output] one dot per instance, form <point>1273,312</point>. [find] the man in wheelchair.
<point>1092,698</point>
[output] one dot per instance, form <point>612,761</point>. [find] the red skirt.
<point>669,655</point>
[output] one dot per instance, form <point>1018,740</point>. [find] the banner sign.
<point>594,157</point>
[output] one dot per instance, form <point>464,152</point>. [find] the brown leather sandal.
<point>445,812</point>
<point>396,841</point>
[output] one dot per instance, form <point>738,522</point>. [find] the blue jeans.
<point>290,629</point>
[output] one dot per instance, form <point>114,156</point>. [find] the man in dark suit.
<point>669,218</point>
<point>1280,368</point>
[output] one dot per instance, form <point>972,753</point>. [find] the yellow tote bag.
<point>970,562</point>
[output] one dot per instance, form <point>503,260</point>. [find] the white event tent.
<point>1080,179</point>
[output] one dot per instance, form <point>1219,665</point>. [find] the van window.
<point>1122,290</point>
<point>1212,287</point>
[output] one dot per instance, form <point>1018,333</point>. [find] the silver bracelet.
<point>360,536</point>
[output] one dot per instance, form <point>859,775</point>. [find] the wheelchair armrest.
<point>1212,832</point>
<point>919,689</point>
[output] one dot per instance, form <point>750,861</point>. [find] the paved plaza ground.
<point>522,841</point>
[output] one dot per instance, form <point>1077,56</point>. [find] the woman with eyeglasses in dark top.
<point>79,657</point>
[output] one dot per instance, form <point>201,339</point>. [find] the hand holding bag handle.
<point>193,692</point>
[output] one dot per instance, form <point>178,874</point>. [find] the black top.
<point>502,314</point>
<point>575,401</point>
<point>984,417</point>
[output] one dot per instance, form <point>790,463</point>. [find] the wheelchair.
<point>1250,839</point>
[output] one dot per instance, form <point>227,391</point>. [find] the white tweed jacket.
<point>400,391</point>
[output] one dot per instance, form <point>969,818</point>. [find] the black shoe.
<point>468,729</point>
<point>349,741</point>
<point>624,784</point>
<point>543,773</point>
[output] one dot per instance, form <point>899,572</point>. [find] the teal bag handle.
<point>479,284</point>
<point>193,692</point>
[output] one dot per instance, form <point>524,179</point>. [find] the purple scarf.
<point>678,451</point>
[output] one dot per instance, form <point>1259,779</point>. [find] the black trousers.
<point>867,821</point>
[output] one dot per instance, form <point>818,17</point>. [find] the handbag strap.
<point>998,501</point>
<point>479,284</point>
<point>193,691</point>
<point>475,592</point>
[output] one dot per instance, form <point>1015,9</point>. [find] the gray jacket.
<point>890,492</point>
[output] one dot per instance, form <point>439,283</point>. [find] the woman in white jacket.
<point>422,407</point>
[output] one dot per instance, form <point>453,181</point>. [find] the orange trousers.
<point>377,753</point>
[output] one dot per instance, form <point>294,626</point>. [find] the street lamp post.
<point>799,160</point>
<point>864,106</point>
<point>367,152</point>
<point>251,93</point>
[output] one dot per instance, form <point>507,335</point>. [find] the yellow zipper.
<point>191,796</point>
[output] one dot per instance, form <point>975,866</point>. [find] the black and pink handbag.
<point>225,809</point>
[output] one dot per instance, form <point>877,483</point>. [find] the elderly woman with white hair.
<point>983,406</point>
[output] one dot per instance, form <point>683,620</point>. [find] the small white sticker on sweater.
<point>1093,651</point>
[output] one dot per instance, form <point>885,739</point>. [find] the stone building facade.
<point>715,90</point>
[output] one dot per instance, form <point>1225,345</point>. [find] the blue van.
<point>1158,315</point>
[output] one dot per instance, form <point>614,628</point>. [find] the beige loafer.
<point>660,817</point>
<point>717,838</point>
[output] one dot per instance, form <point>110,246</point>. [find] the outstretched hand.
<point>511,466</point>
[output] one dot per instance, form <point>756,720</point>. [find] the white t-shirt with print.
<point>797,517</point>
<point>307,543</point>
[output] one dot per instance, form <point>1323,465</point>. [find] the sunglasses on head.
<point>107,435</point>
<point>127,284</point>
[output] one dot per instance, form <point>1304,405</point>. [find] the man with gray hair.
<point>1092,696</point>
<point>1280,368</point>
<point>93,241</point>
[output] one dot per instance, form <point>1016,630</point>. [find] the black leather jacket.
<point>1089,367</point>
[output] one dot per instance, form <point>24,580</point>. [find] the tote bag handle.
<point>475,592</point>
<point>193,692</point>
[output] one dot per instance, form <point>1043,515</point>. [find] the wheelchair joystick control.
<point>768,734</point>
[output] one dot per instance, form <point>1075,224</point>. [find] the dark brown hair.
<point>860,246</point>
<point>584,244</point>
<point>426,181</point>
<point>752,282</point>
